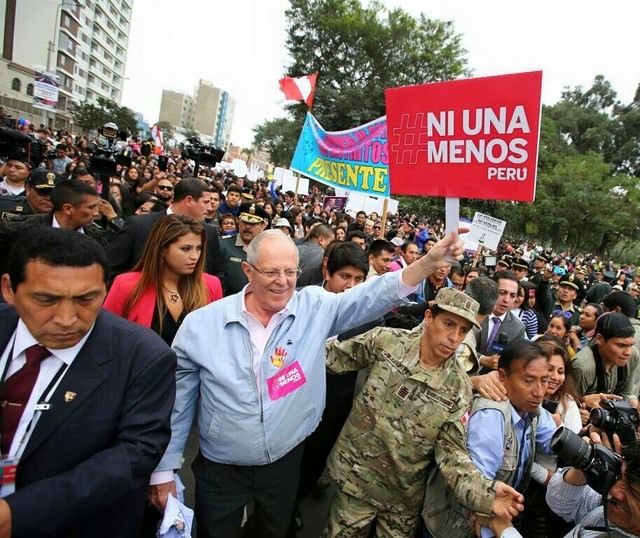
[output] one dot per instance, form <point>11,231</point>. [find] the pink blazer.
<point>142,312</point>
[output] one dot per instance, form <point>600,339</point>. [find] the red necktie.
<point>16,392</point>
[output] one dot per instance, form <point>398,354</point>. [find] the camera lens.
<point>571,448</point>
<point>601,418</point>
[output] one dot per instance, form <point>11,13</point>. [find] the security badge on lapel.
<point>404,391</point>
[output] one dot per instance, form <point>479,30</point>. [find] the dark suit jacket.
<point>511,326</point>
<point>85,469</point>
<point>126,248</point>
<point>11,229</point>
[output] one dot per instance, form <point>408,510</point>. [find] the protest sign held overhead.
<point>474,138</point>
<point>355,159</point>
<point>486,231</point>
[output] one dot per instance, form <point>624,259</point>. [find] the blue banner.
<point>356,159</point>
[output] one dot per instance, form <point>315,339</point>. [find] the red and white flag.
<point>300,88</point>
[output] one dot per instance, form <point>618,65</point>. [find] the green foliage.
<point>90,117</point>
<point>279,137</point>
<point>358,51</point>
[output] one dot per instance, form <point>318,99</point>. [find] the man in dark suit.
<point>502,326</point>
<point>95,419</point>
<point>191,197</point>
<point>75,207</point>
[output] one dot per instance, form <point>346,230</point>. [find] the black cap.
<point>42,179</point>
<point>569,279</point>
<point>614,325</point>
<point>505,260</point>
<point>542,257</point>
<point>252,213</point>
<point>520,264</point>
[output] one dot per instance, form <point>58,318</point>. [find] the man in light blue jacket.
<point>253,365</point>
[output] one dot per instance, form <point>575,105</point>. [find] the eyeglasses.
<point>273,273</point>
<point>567,314</point>
<point>165,188</point>
<point>377,227</point>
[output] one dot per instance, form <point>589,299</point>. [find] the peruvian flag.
<point>300,88</point>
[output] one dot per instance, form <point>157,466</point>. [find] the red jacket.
<point>142,312</point>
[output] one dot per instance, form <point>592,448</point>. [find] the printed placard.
<point>286,381</point>
<point>473,138</point>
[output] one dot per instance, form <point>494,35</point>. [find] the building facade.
<point>84,43</point>
<point>209,111</point>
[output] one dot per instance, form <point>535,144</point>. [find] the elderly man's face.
<point>271,294</point>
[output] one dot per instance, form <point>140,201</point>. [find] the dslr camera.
<point>601,466</point>
<point>616,416</point>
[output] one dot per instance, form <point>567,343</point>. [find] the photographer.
<point>570,497</point>
<point>610,364</point>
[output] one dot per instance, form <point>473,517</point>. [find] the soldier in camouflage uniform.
<point>410,415</point>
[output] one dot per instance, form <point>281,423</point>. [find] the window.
<point>65,21</point>
<point>29,89</point>
<point>16,84</point>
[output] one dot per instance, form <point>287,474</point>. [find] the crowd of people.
<point>161,293</point>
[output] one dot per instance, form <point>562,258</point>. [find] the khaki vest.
<point>442,513</point>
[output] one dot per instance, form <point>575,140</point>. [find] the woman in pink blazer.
<point>168,282</point>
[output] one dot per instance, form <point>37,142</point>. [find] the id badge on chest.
<point>8,468</point>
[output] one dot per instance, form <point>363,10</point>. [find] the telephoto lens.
<point>601,466</point>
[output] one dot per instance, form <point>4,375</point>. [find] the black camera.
<point>17,145</point>
<point>601,466</point>
<point>104,159</point>
<point>616,416</point>
<point>204,154</point>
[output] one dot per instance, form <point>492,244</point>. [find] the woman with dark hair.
<point>523,310</point>
<point>168,281</point>
<point>580,336</point>
<point>560,327</point>
<point>122,200</point>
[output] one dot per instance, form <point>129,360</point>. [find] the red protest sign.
<point>473,138</point>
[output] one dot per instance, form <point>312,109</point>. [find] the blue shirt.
<point>485,441</point>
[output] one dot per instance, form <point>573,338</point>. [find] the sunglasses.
<point>564,313</point>
<point>165,188</point>
<point>377,227</point>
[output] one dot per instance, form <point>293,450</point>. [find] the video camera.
<point>203,154</point>
<point>17,145</point>
<point>104,159</point>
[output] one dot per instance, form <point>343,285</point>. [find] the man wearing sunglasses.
<point>565,296</point>
<point>164,191</point>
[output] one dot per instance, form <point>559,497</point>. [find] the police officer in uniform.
<point>252,219</point>
<point>36,200</point>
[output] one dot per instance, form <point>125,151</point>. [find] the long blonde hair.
<point>167,230</point>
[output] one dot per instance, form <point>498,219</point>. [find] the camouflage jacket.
<point>405,419</point>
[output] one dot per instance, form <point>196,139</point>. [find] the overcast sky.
<point>239,46</point>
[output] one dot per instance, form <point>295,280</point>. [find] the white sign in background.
<point>485,231</point>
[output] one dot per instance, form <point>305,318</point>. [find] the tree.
<point>90,117</point>
<point>359,51</point>
<point>279,137</point>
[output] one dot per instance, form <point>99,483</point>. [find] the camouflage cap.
<point>458,303</point>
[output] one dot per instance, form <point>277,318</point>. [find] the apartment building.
<point>83,41</point>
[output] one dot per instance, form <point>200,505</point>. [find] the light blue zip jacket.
<point>236,425</point>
